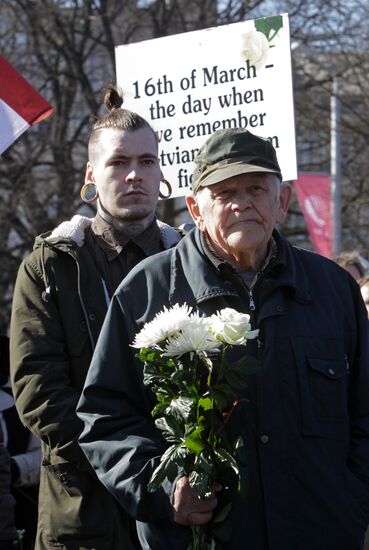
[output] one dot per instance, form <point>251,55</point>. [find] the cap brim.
<point>230,170</point>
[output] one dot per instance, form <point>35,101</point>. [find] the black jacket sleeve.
<point>120,438</point>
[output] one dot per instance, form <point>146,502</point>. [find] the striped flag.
<point>21,106</point>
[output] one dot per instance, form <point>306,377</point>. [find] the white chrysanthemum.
<point>232,327</point>
<point>165,324</point>
<point>194,337</point>
<point>255,48</point>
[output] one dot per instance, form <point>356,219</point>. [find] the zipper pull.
<point>251,301</point>
<point>347,363</point>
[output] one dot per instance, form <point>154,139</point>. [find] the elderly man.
<point>305,414</point>
<point>61,297</point>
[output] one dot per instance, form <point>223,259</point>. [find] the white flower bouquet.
<point>185,364</point>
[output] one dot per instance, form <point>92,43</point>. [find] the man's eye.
<point>257,188</point>
<point>148,162</point>
<point>118,162</point>
<point>222,193</point>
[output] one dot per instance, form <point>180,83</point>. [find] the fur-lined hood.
<point>75,229</point>
<point>71,233</point>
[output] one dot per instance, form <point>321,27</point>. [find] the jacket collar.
<point>195,279</point>
<point>72,232</point>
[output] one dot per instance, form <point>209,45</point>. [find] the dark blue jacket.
<point>305,422</point>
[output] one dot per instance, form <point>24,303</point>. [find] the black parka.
<point>306,420</point>
<point>58,309</point>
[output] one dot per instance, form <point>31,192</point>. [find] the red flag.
<point>313,193</point>
<point>21,106</point>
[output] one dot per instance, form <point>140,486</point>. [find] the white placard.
<point>191,84</point>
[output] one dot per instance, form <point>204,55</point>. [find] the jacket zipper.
<point>251,301</point>
<point>93,343</point>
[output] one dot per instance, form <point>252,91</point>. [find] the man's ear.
<point>284,201</point>
<point>194,210</point>
<point>89,175</point>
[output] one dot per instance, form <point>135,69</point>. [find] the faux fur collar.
<point>75,230</point>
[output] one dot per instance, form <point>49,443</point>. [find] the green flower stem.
<point>222,362</point>
<point>199,540</point>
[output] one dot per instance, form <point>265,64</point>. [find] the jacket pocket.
<point>323,376</point>
<point>328,383</point>
<point>74,506</point>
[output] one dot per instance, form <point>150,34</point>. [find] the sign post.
<point>335,169</point>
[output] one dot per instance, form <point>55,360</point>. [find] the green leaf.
<point>193,441</point>
<point>201,482</point>
<point>238,372</point>
<point>167,468</point>
<point>220,393</point>
<point>269,26</point>
<point>243,487</point>
<point>160,408</point>
<point>203,462</point>
<point>147,355</point>
<point>181,408</point>
<point>170,464</point>
<point>238,444</point>
<point>172,431</point>
<point>247,364</point>
<point>152,375</point>
<point>224,457</point>
<point>205,403</point>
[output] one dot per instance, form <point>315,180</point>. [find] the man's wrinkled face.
<point>240,213</point>
<point>126,171</point>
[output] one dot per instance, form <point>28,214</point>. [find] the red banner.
<point>313,193</point>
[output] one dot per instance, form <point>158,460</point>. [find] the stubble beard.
<point>129,222</point>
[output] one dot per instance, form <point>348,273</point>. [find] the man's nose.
<point>242,200</point>
<point>134,173</point>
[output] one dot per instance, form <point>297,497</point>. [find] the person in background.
<point>61,297</point>
<point>353,262</point>
<point>304,417</point>
<point>364,288</point>
<point>25,456</point>
<point>8,531</point>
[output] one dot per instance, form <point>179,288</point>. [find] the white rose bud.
<point>232,327</point>
<point>255,48</point>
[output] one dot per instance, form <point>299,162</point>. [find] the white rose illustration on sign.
<point>256,42</point>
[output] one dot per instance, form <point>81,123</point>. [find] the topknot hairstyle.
<point>113,98</point>
<point>117,118</point>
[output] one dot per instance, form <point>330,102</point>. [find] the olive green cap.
<point>231,152</point>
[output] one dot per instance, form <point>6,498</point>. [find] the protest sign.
<point>190,85</point>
